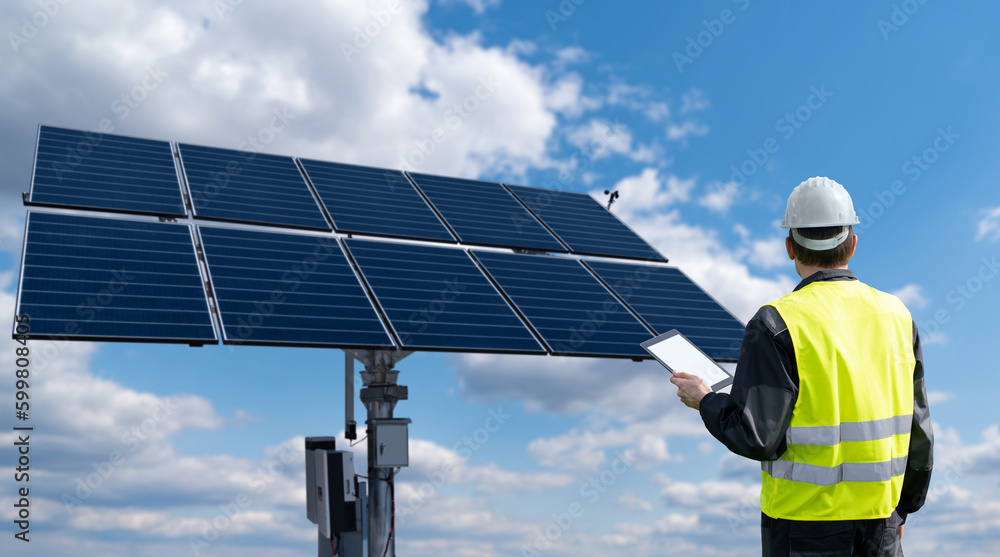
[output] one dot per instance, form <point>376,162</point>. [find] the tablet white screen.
<point>680,355</point>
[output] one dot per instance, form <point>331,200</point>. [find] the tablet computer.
<point>675,352</point>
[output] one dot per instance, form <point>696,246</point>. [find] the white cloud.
<point>649,192</point>
<point>719,196</point>
<point>940,397</point>
<point>638,99</point>
<point>634,503</point>
<point>352,104</point>
<point>912,295</point>
<point>601,139</point>
<point>478,6</point>
<point>694,100</point>
<point>716,267</point>
<point>989,226</point>
<point>689,128</point>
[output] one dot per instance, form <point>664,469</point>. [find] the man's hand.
<point>901,532</point>
<point>690,388</point>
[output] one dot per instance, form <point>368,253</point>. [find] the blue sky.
<point>895,100</point>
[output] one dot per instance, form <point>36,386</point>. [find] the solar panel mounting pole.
<point>380,395</point>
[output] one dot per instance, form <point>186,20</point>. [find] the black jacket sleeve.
<point>921,456</point>
<point>752,420</point>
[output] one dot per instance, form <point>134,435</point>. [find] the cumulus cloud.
<point>988,227</point>
<point>913,296</point>
<point>603,139</point>
<point>685,130</point>
<point>649,192</point>
<point>719,196</point>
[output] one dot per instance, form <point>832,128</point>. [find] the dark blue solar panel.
<point>243,186</point>
<point>376,201</point>
<point>485,213</point>
<point>575,314</point>
<point>91,170</point>
<point>584,225</point>
<point>288,289</point>
<point>87,278</point>
<point>667,299</point>
<point>437,299</point>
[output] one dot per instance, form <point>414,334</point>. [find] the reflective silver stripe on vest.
<point>849,431</point>
<point>846,472</point>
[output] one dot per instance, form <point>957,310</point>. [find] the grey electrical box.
<point>313,444</point>
<point>336,493</point>
<point>390,439</point>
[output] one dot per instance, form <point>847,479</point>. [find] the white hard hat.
<point>819,202</point>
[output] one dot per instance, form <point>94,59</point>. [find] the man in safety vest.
<point>829,395</point>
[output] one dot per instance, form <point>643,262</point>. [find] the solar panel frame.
<point>392,342</point>
<point>721,352</point>
<point>579,247</point>
<point>391,311</point>
<point>191,340</point>
<point>446,234</point>
<point>320,214</point>
<point>540,239</point>
<point>179,210</point>
<point>552,306</point>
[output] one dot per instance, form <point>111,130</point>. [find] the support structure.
<point>380,395</point>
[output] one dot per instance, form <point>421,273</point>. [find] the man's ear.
<point>854,245</point>
<point>788,248</point>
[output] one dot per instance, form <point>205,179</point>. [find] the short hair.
<point>826,259</point>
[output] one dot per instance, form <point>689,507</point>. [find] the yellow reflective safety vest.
<point>849,434</point>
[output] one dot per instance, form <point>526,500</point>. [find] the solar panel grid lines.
<point>94,278</point>
<point>249,187</point>
<point>485,213</point>
<point>437,298</point>
<point>583,224</point>
<point>98,171</point>
<point>666,298</point>
<point>573,311</point>
<point>285,289</point>
<point>374,201</point>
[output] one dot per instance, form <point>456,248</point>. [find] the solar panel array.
<point>364,200</point>
<point>90,278</point>
<point>574,313</point>
<point>242,186</point>
<point>436,298</point>
<point>583,224</point>
<point>666,299</point>
<point>484,213</point>
<point>98,278</point>
<point>91,170</point>
<point>288,289</point>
